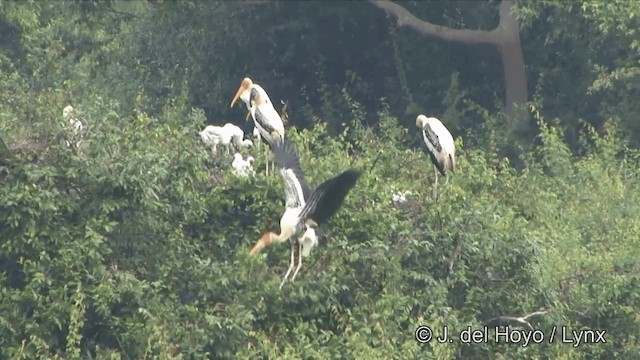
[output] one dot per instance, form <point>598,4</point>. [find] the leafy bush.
<point>137,246</point>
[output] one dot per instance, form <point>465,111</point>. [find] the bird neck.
<point>283,236</point>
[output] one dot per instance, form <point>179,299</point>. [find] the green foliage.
<point>130,248</point>
<point>134,243</point>
<point>597,79</point>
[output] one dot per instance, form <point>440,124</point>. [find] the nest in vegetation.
<point>29,149</point>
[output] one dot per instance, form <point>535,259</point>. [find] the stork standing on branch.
<point>264,115</point>
<point>442,149</point>
<point>304,210</point>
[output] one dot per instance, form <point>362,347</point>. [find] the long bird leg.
<point>293,253</point>
<point>271,159</point>
<point>299,261</point>
<point>435,185</point>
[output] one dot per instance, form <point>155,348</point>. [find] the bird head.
<point>250,159</point>
<point>67,111</point>
<point>245,86</point>
<point>421,121</point>
<point>263,242</point>
<point>203,135</point>
<point>247,143</point>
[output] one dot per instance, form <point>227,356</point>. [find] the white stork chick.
<point>213,136</point>
<point>442,149</point>
<point>400,197</point>
<point>67,112</point>
<point>241,167</point>
<point>237,136</point>
<point>75,125</point>
<point>304,210</point>
<point>265,116</point>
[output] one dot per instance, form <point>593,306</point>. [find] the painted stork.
<point>244,92</point>
<point>242,167</point>
<point>264,115</point>
<point>442,149</point>
<point>304,210</point>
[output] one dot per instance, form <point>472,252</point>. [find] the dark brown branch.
<point>405,18</point>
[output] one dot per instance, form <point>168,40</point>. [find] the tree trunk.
<point>515,82</point>
<point>505,37</point>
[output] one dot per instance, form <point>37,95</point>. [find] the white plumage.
<point>442,149</point>
<point>256,135</point>
<point>304,210</point>
<point>225,135</point>
<point>400,197</point>
<point>244,93</point>
<point>237,136</point>
<point>268,121</point>
<point>265,117</point>
<point>75,125</point>
<point>242,167</point>
<point>67,112</point>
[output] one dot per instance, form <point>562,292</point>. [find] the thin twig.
<point>454,255</point>
<point>375,161</point>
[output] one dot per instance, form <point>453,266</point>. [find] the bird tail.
<point>286,154</point>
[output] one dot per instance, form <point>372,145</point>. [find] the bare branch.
<point>405,18</point>
<point>523,320</point>
<point>454,255</point>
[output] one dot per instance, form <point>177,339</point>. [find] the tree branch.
<point>405,18</point>
<point>523,320</point>
<point>454,255</point>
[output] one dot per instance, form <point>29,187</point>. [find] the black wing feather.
<point>287,158</point>
<point>261,119</point>
<point>329,196</point>
<point>431,137</point>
